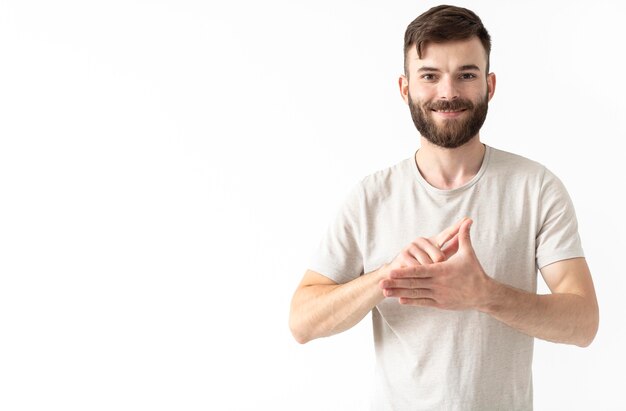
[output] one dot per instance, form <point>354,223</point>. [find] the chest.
<point>503,234</point>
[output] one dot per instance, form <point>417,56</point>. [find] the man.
<point>454,314</point>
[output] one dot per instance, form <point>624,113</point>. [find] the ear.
<point>403,83</point>
<point>491,84</point>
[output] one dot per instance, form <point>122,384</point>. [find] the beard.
<point>453,132</point>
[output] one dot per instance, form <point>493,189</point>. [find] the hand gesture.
<point>455,282</point>
<point>430,250</point>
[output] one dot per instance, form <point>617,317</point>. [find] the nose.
<point>447,89</point>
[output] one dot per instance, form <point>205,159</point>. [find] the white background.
<point>168,167</point>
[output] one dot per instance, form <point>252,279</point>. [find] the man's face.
<point>448,92</point>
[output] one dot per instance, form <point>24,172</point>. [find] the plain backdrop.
<point>167,168</point>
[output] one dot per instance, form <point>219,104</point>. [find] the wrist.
<point>491,296</point>
<point>382,272</point>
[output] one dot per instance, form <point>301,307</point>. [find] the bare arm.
<point>568,315</point>
<point>320,307</point>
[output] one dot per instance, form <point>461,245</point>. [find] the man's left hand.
<point>458,283</point>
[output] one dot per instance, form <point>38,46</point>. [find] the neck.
<point>449,168</point>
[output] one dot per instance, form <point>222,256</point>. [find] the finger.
<point>408,292</point>
<point>406,283</point>
<point>465,241</point>
<point>418,271</point>
<point>432,251</point>
<point>406,259</point>
<point>419,302</point>
<point>417,253</point>
<point>451,247</point>
<point>444,236</point>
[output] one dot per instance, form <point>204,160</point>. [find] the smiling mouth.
<point>448,111</point>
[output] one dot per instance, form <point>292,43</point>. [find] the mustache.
<point>458,104</point>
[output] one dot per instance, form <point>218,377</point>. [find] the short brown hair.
<point>444,23</point>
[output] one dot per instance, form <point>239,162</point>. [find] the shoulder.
<point>385,181</point>
<point>505,160</point>
<point>514,165</point>
<point>519,171</point>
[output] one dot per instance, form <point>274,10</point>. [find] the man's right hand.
<point>435,249</point>
<point>320,307</point>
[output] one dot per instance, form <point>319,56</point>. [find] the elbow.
<point>299,336</point>
<point>300,339</point>
<point>297,331</point>
<point>586,341</point>
<point>590,330</point>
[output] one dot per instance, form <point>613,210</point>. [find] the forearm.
<point>562,318</point>
<point>323,310</point>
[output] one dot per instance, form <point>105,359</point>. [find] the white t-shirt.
<point>429,358</point>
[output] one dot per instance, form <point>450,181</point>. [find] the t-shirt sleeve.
<point>339,256</point>
<point>557,237</point>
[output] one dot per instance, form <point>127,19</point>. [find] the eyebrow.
<point>464,67</point>
<point>469,67</point>
<point>426,68</point>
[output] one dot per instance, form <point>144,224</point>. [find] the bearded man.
<point>454,315</point>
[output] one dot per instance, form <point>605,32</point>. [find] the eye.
<point>467,76</point>
<point>428,77</point>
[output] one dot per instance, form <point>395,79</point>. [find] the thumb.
<point>465,242</point>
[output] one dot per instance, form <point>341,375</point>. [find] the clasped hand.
<point>441,271</point>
